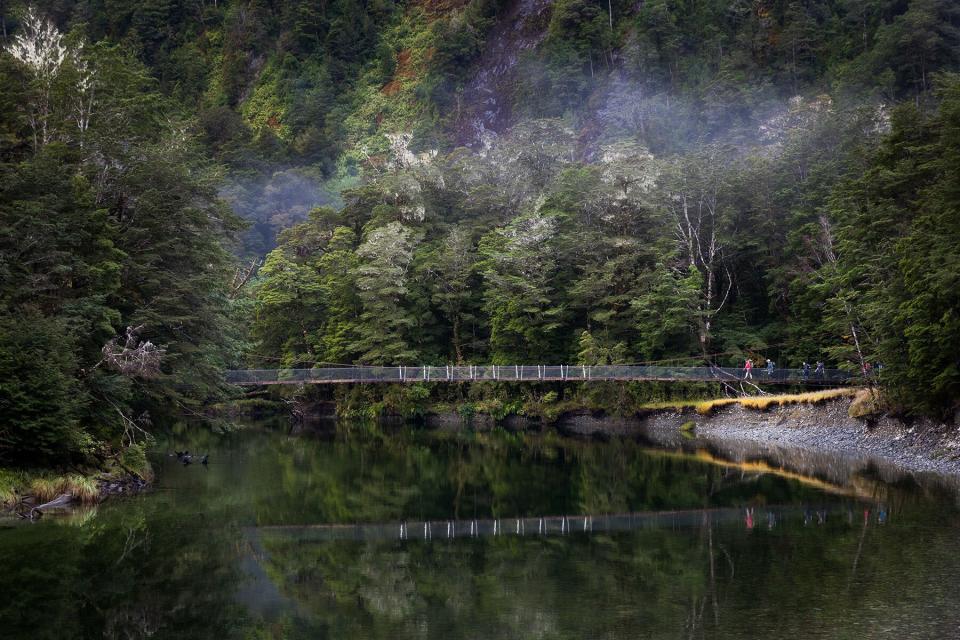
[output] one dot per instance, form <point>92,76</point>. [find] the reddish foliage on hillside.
<point>403,71</point>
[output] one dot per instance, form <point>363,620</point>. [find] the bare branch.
<point>242,277</point>
<point>135,358</point>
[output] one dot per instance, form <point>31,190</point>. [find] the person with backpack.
<point>748,369</point>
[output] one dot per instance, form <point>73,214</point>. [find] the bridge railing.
<point>532,373</point>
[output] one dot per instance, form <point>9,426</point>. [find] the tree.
<point>799,39</point>
<point>911,48</point>
<point>897,268</point>
<point>386,328</point>
<point>693,197</point>
<point>41,398</point>
<point>667,310</point>
<point>42,49</point>
<point>288,305</point>
<point>112,222</point>
<point>520,297</point>
<point>452,268</point>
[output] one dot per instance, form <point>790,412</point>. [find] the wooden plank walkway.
<point>532,373</point>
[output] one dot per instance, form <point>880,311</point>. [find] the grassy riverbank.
<point>760,403</point>
<point>543,403</point>
<point>44,486</point>
<point>84,485</point>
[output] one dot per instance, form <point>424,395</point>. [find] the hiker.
<point>747,369</point>
<point>806,370</point>
<point>819,372</point>
<point>771,365</point>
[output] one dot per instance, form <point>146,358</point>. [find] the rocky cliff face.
<point>486,97</point>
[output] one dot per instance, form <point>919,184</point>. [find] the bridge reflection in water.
<point>434,530</point>
<point>533,373</point>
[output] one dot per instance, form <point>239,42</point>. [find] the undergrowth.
<point>45,486</point>
<point>867,402</point>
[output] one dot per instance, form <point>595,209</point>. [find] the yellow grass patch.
<point>867,402</point>
<point>762,403</point>
<point>83,489</point>
<point>15,485</point>
<point>45,489</point>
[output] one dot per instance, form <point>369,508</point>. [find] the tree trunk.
<point>456,339</point>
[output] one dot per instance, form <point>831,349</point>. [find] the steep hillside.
<point>312,90</point>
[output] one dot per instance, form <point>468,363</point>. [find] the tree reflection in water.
<point>180,563</point>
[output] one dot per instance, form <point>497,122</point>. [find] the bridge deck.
<point>530,373</point>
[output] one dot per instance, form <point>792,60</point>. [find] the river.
<point>373,532</point>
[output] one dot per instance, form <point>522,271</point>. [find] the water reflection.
<point>439,530</point>
<point>860,475</point>
<point>280,537</point>
<point>829,579</point>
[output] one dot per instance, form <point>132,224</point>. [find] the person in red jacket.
<point>748,369</point>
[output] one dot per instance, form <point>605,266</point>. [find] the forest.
<point>193,185</point>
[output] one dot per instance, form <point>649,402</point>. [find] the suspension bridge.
<point>535,373</point>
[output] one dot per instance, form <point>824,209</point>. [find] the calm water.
<point>321,536</point>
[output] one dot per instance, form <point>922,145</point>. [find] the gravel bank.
<point>796,436</point>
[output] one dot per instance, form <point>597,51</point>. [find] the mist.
<point>275,202</point>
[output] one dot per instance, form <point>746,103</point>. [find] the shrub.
<point>134,458</point>
<point>11,486</point>
<point>45,489</point>
<point>867,402</point>
<point>38,392</point>
<point>83,488</point>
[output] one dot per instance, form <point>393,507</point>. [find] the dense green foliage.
<point>108,219</point>
<point>899,267</point>
<point>503,181</point>
<point>656,196</point>
<point>716,255</point>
